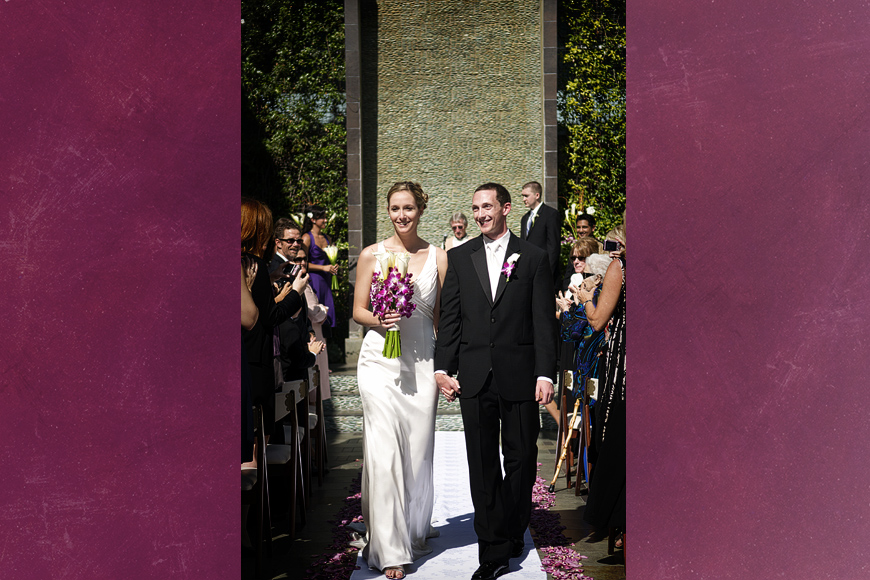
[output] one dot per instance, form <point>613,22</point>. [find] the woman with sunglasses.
<point>459,225</point>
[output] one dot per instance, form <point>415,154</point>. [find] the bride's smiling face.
<point>404,212</point>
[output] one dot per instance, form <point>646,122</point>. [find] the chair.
<point>320,453</point>
<point>255,492</point>
<point>286,459</point>
<point>565,430</point>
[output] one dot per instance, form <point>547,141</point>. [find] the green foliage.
<point>293,123</point>
<point>592,108</point>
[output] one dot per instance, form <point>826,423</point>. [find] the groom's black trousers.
<point>502,505</point>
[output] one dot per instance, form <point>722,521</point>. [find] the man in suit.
<point>586,228</point>
<point>497,330</point>
<point>288,241</point>
<point>541,225</point>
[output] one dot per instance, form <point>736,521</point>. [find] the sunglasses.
<point>578,258</point>
<point>298,260</point>
<point>290,240</point>
<point>459,227</point>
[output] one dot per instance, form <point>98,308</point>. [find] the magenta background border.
<point>119,184</point>
<point>748,145</point>
<point>747,139</point>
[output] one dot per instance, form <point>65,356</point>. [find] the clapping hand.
<point>315,346</point>
<point>250,267</point>
<point>283,291</point>
<point>563,302</point>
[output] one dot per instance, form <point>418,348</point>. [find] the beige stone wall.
<point>452,97</point>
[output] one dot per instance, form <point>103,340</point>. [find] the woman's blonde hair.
<point>585,247</point>
<point>420,198</point>
<point>618,234</point>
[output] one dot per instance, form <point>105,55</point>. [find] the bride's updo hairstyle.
<point>420,198</point>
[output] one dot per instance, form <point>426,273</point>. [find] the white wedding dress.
<point>399,400</point>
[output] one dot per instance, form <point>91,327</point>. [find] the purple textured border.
<point>119,184</point>
<point>748,141</point>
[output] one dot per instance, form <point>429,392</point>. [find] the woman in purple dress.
<point>319,268</point>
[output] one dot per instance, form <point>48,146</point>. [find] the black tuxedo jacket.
<point>277,263</point>
<point>514,334</point>
<point>545,234</point>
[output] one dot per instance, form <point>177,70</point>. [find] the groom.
<point>498,331</point>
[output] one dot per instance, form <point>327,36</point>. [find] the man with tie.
<point>498,332</point>
<point>540,225</point>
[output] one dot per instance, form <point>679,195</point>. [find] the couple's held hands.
<point>544,392</point>
<point>448,386</point>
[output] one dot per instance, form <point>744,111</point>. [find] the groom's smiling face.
<point>490,215</point>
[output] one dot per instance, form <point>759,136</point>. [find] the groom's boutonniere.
<point>509,265</point>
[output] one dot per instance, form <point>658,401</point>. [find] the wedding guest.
<point>586,228</point>
<point>605,508</point>
<point>297,351</point>
<point>315,241</point>
<point>288,241</point>
<point>316,316</point>
<point>249,319</point>
<point>459,226</point>
<point>259,347</point>
<point>580,250</point>
<point>541,225</point>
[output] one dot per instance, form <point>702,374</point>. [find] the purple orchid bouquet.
<point>392,290</point>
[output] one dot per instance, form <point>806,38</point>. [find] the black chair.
<point>255,493</point>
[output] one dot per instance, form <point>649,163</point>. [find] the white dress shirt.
<point>495,254</point>
<point>532,215</point>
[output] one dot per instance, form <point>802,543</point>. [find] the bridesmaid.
<point>319,268</point>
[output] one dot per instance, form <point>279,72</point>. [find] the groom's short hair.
<point>501,192</point>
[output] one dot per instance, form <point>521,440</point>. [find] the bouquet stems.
<point>393,344</point>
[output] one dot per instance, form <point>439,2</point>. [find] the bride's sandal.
<point>394,572</point>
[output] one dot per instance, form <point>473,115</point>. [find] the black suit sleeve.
<point>449,323</point>
<point>553,235</point>
<point>281,311</point>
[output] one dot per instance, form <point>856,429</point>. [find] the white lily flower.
<point>331,253</point>
<point>590,210</point>
<point>386,260</point>
<point>401,262</point>
<point>513,258</point>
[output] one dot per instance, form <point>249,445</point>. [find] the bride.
<point>399,396</point>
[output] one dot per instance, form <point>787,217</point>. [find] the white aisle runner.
<point>454,555</point>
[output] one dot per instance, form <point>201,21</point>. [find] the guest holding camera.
<point>258,341</point>
<point>605,508</point>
